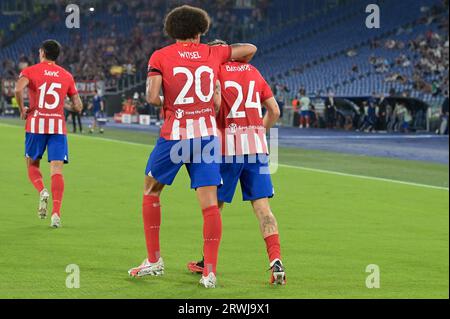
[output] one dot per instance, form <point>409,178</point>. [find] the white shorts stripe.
<point>60,127</point>
<point>203,127</point>
<point>41,126</point>
<point>258,143</point>
<point>265,145</point>
<point>51,126</point>
<point>190,129</point>
<point>176,130</point>
<point>230,145</point>
<point>244,144</point>
<point>214,125</point>
<point>33,125</point>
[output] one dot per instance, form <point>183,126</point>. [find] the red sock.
<point>212,233</point>
<point>273,247</point>
<point>35,176</point>
<point>151,212</point>
<point>57,193</point>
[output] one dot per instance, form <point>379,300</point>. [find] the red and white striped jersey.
<point>240,119</point>
<point>48,86</point>
<point>189,72</point>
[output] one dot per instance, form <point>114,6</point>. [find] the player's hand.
<point>24,114</point>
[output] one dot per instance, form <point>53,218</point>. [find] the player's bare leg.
<point>212,233</point>
<point>56,172</point>
<point>35,176</point>
<point>151,213</point>
<point>269,230</point>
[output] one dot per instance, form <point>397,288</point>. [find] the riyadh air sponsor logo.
<point>54,74</point>
<point>40,114</point>
<point>199,112</point>
<point>179,114</point>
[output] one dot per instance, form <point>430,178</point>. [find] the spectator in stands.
<point>385,112</point>
<point>443,129</point>
<point>404,116</point>
<point>305,108</point>
<point>128,107</point>
<point>15,106</point>
<point>330,111</point>
<point>314,117</point>
<point>371,114</point>
<point>98,108</point>
<point>356,117</point>
<point>281,92</point>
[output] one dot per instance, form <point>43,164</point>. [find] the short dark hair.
<point>51,49</point>
<point>186,22</point>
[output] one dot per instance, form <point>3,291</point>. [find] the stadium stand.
<point>307,45</point>
<point>327,55</point>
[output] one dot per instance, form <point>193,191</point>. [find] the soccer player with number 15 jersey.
<point>187,73</point>
<point>48,85</point>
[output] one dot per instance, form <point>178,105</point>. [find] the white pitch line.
<point>316,170</point>
<point>380,179</point>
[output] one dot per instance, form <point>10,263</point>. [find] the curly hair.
<point>186,22</point>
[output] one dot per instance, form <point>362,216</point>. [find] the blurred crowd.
<point>423,62</point>
<point>111,54</point>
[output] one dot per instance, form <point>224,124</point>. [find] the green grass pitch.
<point>331,228</point>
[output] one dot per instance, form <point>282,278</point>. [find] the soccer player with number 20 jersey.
<point>48,85</point>
<point>187,72</point>
<point>245,151</point>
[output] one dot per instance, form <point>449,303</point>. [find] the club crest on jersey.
<point>233,128</point>
<point>179,113</point>
<point>51,73</point>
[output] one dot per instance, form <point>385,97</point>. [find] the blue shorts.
<point>56,145</point>
<point>201,156</point>
<point>304,113</point>
<point>253,175</point>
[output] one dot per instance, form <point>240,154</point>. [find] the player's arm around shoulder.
<point>217,96</point>
<point>243,52</point>
<point>21,84</point>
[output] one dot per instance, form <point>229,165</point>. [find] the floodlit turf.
<point>331,227</point>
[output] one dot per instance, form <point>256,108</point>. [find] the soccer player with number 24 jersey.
<point>48,85</point>
<point>245,151</point>
<point>187,73</point>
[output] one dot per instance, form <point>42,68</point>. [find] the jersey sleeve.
<point>72,88</point>
<point>222,52</point>
<point>25,73</point>
<point>155,64</point>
